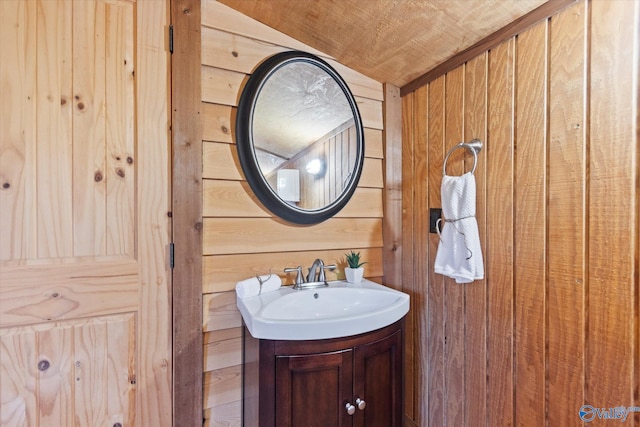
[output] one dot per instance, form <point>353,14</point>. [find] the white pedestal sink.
<point>340,310</point>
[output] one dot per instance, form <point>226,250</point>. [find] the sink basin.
<point>340,310</point>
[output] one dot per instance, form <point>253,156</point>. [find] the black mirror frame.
<point>245,146</point>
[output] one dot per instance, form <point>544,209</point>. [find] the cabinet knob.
<point>350,408</point>
<point>361,403</point>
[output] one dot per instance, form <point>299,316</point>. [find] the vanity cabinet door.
<point>313,390</point>
<point>378,382</point>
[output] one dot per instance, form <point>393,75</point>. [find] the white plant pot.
<point>354,275</point>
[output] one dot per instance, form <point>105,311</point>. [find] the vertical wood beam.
<point>408,251</point>
<point>421,237</point>
<point>392,195</point>
<point>187,213</point>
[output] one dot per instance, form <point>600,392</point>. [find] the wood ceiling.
<point>391,41</point>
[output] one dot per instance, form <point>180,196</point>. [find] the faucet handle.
<point>299,277</point>
<point>322,277</point>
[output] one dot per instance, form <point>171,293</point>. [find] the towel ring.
<point>475,145</point>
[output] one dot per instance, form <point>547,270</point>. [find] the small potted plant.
<point>354,270</point>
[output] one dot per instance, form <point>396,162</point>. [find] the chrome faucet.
<point>311,277</point>
<point>316,277</point>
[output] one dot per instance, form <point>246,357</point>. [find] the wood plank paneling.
<point>216,122</point>
<point>89,177</point>
<point>222,272</point>
<point>220,312</point>
<point>241,237</point>
<point>52,374</point>
<point>434,414</point>
<point>223,415</point>
<point>220,161</point>
<point>120,147</point>
<point>499,255</point>
<point>18,138</point>
<point>530,224</point>
<point>613,172</point>
<point>223,386</point>
<point>222,348</point>
<point>54,160</point>
<point>475,296</point>
<point>554,325</point>
<point>567,196</point>
<point>68,292</point>
<point>454,295</point>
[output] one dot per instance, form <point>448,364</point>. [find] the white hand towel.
<point>459,253</point>
<point>251,287</point>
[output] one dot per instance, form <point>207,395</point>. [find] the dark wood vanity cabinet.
<point>314,383</point>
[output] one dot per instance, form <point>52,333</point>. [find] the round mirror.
<point>299,137</point>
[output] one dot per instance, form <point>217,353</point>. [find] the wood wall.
<point>240,237</point>
<point>554,324</point>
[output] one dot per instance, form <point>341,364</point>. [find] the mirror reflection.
<point>304,135</point>
<point>299,137</point>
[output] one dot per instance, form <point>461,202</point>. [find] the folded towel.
<point>258,285</point>
<point>459,254</point>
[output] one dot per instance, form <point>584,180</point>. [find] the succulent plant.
<point>353,260</point>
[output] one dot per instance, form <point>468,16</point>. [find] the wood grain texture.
<point>220,86</point>
<point>475,296</point>
<point>220,161</point>
<point>18,137</point>
<point>220,312</point>
<point>243,54</point>
<point>120,148</point>
<point>396,49</point>
<point>406,266</point>
<point>499,261</point>
<point>187,88</point>
<point>420,292</point>
<point>153,224</point>
<point>52,374</point>
<point>566,205</point>
<point>222,272</point>
<point>241,238</point>
<point>89,187</point>
<point>530,232</point>
<point>93,186</point>
<point>512,29</point>
<point>434,414</point>
<point>556,200</point>
<point>239,43</point>
<point>236,199</point>
<point>54,82</point>
<point>613,172</point>
<point>454,295</point>
<point>246,235</point>
<point>222,386</point>
<point>222,348</point>
<point>76,290</point>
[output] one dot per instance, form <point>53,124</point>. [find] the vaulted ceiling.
<point>391,41</point>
